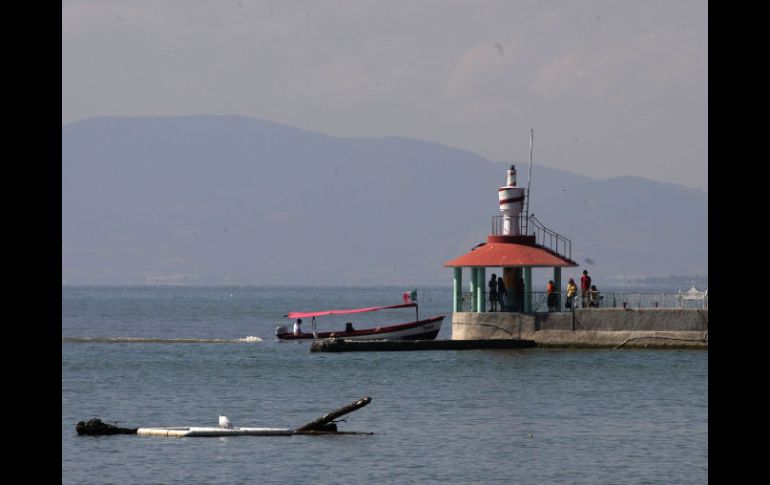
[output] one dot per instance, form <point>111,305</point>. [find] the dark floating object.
<point>97,427</point>
<point>326,424</point>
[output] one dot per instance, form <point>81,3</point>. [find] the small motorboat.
<point>425,329</point>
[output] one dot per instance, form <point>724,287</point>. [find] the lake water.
<point>529,416</point>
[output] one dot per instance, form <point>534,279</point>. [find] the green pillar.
<point>527,289</point>
<point>458,287</point>
<point>474,293</point>
<point>557,285</point>
<point>482,304</point>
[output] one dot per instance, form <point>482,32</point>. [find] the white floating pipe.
<point>181,432</point>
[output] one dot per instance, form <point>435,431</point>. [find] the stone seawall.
<point>603,327</point>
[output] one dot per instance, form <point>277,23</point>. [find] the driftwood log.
<point>325,424</point>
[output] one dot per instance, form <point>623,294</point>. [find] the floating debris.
<point>326,424</point>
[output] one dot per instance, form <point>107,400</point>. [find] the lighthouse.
<point>511,199</point>
<point>518,243</point>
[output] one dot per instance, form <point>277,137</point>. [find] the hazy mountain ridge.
<point>227,199</point>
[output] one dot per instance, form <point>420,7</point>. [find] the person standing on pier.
<point>571,291</point>
<point>551,290</point>
<point>501,293</point>
<point>585,287</point>
<point>493,293</point>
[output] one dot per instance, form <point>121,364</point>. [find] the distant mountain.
<point>233,200</point>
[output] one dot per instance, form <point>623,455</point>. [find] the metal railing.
<point>609,299</point>
<point>543,236</point>
<point>518,221</point>
<point>550,239</point>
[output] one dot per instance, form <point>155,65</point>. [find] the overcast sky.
<point>610,87</point>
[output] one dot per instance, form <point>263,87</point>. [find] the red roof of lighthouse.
<point>499,252</point>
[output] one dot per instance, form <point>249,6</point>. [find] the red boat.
<point>426,329</point>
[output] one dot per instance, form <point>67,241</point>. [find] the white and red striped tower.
<point>511,204</point>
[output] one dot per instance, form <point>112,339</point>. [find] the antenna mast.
<point>529,177</point>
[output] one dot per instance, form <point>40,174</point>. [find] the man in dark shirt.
<point>502,294</point>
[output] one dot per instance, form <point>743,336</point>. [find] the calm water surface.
<point>438,417</point>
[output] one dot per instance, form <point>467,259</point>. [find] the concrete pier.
<point>590,327</point>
